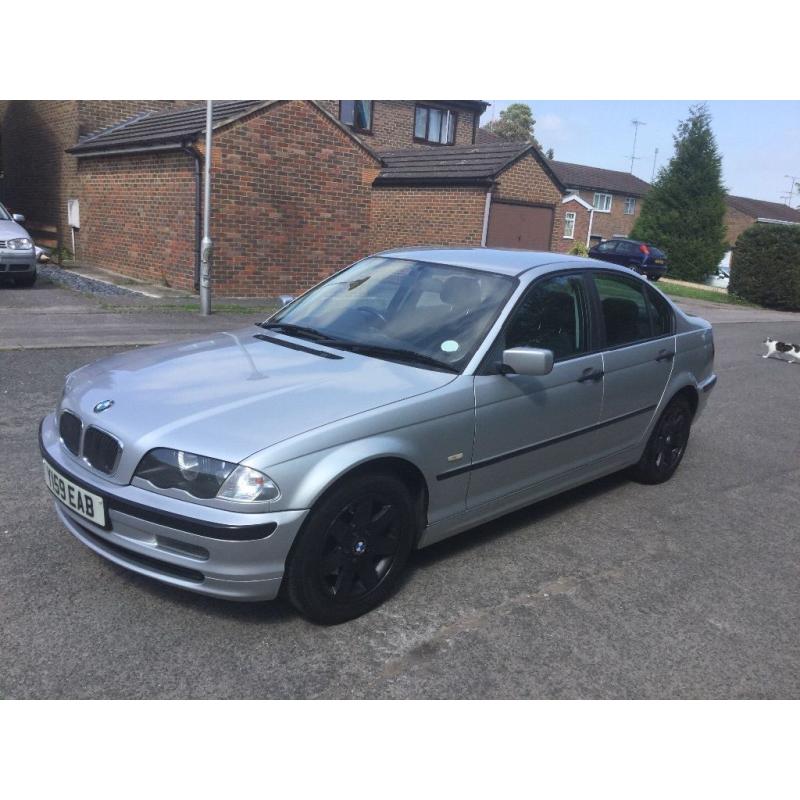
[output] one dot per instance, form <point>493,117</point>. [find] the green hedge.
<point>766,266</point>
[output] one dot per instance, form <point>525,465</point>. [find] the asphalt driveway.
<point>690,589</point>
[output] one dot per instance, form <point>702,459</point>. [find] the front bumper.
<point>157,536</point>
<point>16,263</point>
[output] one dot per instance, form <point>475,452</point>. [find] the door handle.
<point>665,355</point>
<point>590,374</point>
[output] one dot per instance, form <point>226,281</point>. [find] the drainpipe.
<point>486,218</point>
<point>591,222</point>
<point>198,212</point>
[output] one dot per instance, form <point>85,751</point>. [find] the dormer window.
<point>434,125</point>
<point>357,114</point>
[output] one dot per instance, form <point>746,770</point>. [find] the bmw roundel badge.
<point>103,405</point>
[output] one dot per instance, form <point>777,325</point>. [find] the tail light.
<point>644,249</point>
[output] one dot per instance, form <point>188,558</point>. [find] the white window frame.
<point>597,197</point>
<point>572,217</point>
<point>630,203</point>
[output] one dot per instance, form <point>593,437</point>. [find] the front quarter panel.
<point>432,433</point>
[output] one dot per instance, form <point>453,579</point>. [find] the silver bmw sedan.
<point>413,395</point>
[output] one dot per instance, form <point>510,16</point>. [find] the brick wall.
<point>137,216</point>
<point>393,124</point>
<point>290,205</point>
<point>39,175</point>
<point>37,172</point>
<point>527,181</point>
<point>404,216</point>
<point>736,223</point>
<point>291,201</point>
<point>581,230</point>
<point>615,222</point>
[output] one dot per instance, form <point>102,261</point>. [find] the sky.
<point>759,140</point>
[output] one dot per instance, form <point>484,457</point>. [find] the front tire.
<point>667,444</point>
<point>350,553</point>
<point>26,281</point>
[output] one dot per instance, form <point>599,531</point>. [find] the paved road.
<point>615,590</point>
<point>49,316</point>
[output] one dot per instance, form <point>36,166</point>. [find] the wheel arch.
<point>409,473</point>
<point>690,393</point>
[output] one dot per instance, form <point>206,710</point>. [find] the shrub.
<point>766,266</point>
<point>579,249</point>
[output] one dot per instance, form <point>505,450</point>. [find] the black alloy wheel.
<point>350,553</point>
<point>360,547</point>
<point>667,443</point>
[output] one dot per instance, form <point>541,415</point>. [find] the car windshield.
<point>655,252</point>
<point>429,315</point>
<point>3,213</point>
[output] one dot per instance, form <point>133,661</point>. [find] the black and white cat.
<point>791,350</point>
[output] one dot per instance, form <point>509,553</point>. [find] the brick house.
<point>742,212</point>
<point>616,197</point>
<point>499,195</point>
<point>396,124</point>
<point>300,188</point>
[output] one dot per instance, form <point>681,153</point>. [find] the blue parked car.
<point>641,257</point>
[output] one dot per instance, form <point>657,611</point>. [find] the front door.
<point>530,429</point>
<point>638,356</point>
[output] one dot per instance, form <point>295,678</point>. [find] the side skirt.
<point>524,497</point>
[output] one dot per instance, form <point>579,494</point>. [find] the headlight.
<point>19,244</point>
<point>204,477</point>
<point>248,485</point>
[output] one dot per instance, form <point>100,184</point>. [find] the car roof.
<point>490,259</point>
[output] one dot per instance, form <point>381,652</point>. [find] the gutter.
<point>126,151</point>
<point>776,221</point>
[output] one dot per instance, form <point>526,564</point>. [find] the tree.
<point>684,212</point>
<point>551,154</point>
<point>515,124</point>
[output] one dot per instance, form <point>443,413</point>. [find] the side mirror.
<point>285,299</point>
<point>20,218</point>
<point>528,360</point>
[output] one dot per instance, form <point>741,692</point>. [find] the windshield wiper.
<point>394,354</point>
<point>300,331</point>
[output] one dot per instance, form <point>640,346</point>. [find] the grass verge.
<point>692,293</point>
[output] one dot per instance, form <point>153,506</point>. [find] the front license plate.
<point>79,500</point>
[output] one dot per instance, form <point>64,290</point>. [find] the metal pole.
<point>655,158</point>
<point>636,123</point>
<point>206,245</point>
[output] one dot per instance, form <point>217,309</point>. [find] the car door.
<point>528,430</point>
<point>638,354</point>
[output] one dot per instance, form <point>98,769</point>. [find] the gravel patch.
<point>81,283</point>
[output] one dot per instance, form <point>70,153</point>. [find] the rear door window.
<point>625,311</point>
<point>662,318</point>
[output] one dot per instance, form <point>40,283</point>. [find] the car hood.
<point>11,230</point>
<point>233,394</point>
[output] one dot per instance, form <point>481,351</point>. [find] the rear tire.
<point>666,445</point>
<point>352,549</point>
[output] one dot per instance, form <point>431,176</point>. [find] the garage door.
<point>521,226</point>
